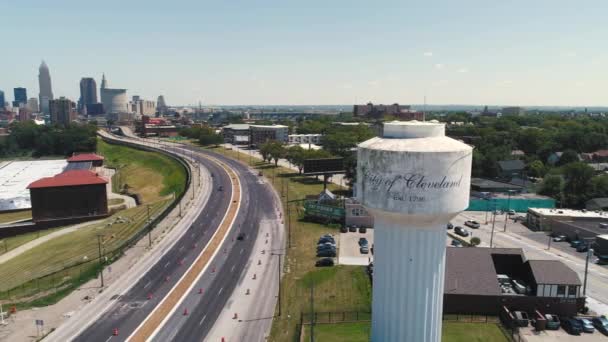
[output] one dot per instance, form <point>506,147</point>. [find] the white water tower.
<point>413,180</point>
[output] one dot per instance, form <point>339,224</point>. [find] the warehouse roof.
<point>68,178</point>
<point>553,272</point>
<point>511,165</point>
<point>85,157</point>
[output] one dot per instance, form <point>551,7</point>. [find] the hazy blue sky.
<point>532,52</point>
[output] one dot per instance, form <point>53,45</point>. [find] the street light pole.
<point>507,212</point>
<point>493,224</point>
<point>149,228</point>
<point>279,275</point>
<point>99,237</point>
<point>589,252</point>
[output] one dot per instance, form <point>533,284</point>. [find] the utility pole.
<point>279,276</point>
<point>149,228</point>
<point>589,252</point>
<point>493,224</point>
<point>312,310</point>
<point>507,212</point>
<point>549,244</point>
<point>99,237</point>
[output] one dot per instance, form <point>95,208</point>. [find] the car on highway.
<point>325,262</point>
<point>586,324</point>
<point>220,188</point>
<point>601,324</point>
<point>559,238</point>
<point>364,249</point>
<point>363,241</point>
<point>572,326</point>
<point>456,243</point>
<point>472,224</point>
<point>241,236</point>
<point>450,225</point>
<point>461,231</point>
<point>326,253</point>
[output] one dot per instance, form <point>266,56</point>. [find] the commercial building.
<point>356,214</point>
<point>142,107</point>
<point>543,218</point>
<point>95,109</point>
<point>482,280</point>
<point>161,105</point>
<point>399,112</point>
<point>46,89</point>
<point>513,111</point>
<point>62,111</point>
<point>88,94</point>
<point>2,100</point>
<point>156,127</point>
<point>237,134</point>
<point>113,100</point>
<point>32,105</point>
<point>297,139</point>
<point>24,115</point>
<point>20,97</point>
<point>259,134</point>
<point>93,159</point>
<point>73,194</point>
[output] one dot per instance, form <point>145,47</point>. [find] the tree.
<point>536,169</point>
<point>552,186</point>
<point>568,156</point>
<point>209,137</point>
<point>277,151</point>
<point>599,186</point>
<point>265,151</point>
<point>578,187</point>
<point>475,241</point>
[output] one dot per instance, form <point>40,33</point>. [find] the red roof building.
<point>71,196</point>
<point>95,159</point>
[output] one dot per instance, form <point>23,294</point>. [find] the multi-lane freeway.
<point>197,313</point>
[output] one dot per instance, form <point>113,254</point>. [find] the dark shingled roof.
<point>471,270</point>
<point>553,272</point>
<point>511,165</point>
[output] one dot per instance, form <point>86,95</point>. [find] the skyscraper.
<point>88,93</point>
<point>32,105</point>
<point>104,83</point>
<point>113,100</point>
<point>62,111</point>
<point>161,105</point>
<point>2,100</point>
<point>20,97</point>
<point>46,90</point>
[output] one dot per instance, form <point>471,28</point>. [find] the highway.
<point>215,286</point>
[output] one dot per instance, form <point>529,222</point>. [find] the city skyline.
<point>346,52</point>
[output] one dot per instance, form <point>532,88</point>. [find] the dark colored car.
<point>601,324</point>
<point>583,247</point>
<point>575,243</point>
<point>221,188</point>
<point>325,262</point>
<point>326,253</point>
<point>456,243</point>
<point>364,249</point>
<point>326,246</point>
<point>450,226</point>
<point>362,230</point>
<point>326,239</point>
<point>363,241</point>
<point>521,318</point>
<point>352,229</point>
<point>572,326</point>
<point>553,322</point>
<point>472,224</point>
<point>586,324</point>
<point>343,229</point>
<point>240,237</point>
<point>461,231</point>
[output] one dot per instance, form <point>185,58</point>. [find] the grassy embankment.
<point>336,289</point>
<point>154,176</point>
<point>15,216</point>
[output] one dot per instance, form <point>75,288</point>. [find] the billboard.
<point>312,208</point>
<point>323,165</point>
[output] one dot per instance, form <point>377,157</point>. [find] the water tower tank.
<point>413,180</point>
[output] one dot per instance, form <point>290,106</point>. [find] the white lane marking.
<point>220,291</point>
<point>241,252</point>
<point>232,269</point>
<point>109,338</point>
<point>202,320</point>
<point>148,284</point>
<point>167,264</point>
<point>181,248</point>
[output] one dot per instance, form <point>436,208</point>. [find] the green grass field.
<point>23,279</point>
<point>452,332</point>
<point>152,175</point>
<point>15,216</point>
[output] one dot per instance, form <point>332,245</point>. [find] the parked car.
<point>575,243</point>
<point>559,238</point>
<point>329,236</point>
<point>363,241</point>
<point>326,239</point>
<point>521,318</point>
<point>586,324</point>
<point>326,253</point>
<point>553,322</point>
<point>583,247</point>
<point>343,229</point>
<point>326,246</point>
<point>325,262</point>
<point>362,230</point>
<point>352,229</point>
<point>364,249</point>
<point>372,249</point>
<point>461,231</point>
<point>572,326</point>
<point>511,212</point>
<point>601,324</point>
<point>456,243</point>
<point>450,226</point>
<point>472,224</point>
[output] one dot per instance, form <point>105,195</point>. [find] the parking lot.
<point>348,251</point>
<point>531,335</point>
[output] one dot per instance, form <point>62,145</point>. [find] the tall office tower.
<point>114,100</point>
<point>161,105</point>
<point>32,105</point>
<point>2,100</point>
<point>46,90</point>
<point>88,93</point>
<point>104,83</point>
<point>62,111</point>
<point>413,179</point>
<point>20,97</point>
